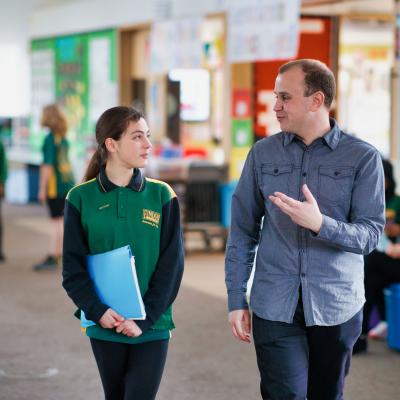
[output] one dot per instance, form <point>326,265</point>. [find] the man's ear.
<point>110,145</point>
<point>318,100</point>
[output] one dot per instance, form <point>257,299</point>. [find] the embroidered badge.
<point>151,217</point>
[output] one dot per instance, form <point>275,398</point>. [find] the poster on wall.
<point>266,117</point>
<point>242,132</point>
<point>236,163</point>
<point>43,85</point>
<point>241,103</point>
<point>79,73</point>
<point>365,61</point>
<point>175,44</point>
<point>194,93</point>
<point>72,82</point>
<point>103,89</point>
<point>262,29</point>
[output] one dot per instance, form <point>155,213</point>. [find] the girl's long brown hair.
<point>111,124</point>
<point>54,119</point>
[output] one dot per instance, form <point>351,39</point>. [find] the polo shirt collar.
<point>331,138</point>
<point>136,183</point>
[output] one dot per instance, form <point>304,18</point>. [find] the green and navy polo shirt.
<point>55,153</point>
<point>101,216</point>
<point>393,209</point>
<point>3,164</point>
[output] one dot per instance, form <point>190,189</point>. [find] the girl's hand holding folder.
<point>110,319</point>
<point>129,328</point>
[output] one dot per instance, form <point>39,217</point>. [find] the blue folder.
<point>115,281</point>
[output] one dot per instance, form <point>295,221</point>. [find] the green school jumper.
<point>55,153</point>
<point>3,165</point>
<point>101,216</point>
<point>393,209</point>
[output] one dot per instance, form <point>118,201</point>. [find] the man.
<point>310,200</point>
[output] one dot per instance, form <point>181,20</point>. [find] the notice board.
<point>79,73</point>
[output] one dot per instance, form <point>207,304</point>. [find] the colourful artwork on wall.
<point>242,135</point>
<point>79,73</point>
<point>241,103</point>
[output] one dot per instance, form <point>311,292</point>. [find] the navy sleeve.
<point>166,279</point>
<point>76,279</point>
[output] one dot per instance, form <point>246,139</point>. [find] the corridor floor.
<point>44,356</point>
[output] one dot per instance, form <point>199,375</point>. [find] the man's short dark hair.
<point>317,77</point>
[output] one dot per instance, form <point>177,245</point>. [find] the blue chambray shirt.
<point>345,175</point>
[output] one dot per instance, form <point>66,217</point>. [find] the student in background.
<point>382,266</point>
<point>114,207</point>
<point>56,179</point>
<point>3,177</point>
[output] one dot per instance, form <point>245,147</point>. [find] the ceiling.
<point>342,7</point>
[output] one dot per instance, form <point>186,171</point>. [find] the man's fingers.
<point>239,333</point>
<point>237,330</point>
<point>307,193</point>
<point>283,206</point>
<point>234,331</point>
<point>247,323</point>
<point>286,199</point>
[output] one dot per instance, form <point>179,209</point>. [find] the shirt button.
<point>304,174</point>
<point>303,275</point>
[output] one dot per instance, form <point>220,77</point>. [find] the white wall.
<point>23,20</point>
<point>88,15</point>
<point>14,57</point>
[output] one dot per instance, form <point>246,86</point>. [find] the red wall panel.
<point>315,42</point>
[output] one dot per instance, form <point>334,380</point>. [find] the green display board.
<point>242,132</point>
<point>79,73</point>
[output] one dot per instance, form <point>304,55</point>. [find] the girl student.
<point>116,206</point>
<point>56,179</point>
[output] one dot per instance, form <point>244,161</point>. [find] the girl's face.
<point>133,148</point>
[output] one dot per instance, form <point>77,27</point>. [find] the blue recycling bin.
<point>226,191</point>
<point>392,303</point>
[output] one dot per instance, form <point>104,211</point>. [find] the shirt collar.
<point>136,183</point>
<point>331,138</point>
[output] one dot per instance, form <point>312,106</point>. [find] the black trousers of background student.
<point>298,362</point>
<point>380,272</point>
<point>130,371</point>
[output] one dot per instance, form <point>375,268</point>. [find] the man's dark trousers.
<point>299,362</point>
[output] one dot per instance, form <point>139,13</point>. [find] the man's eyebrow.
<point>140,131</point>
<point>281,93</point>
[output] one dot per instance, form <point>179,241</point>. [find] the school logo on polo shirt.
<point>151,217</point>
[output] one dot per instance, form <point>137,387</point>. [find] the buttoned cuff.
<point>329,229</point>
<point>237,301</point>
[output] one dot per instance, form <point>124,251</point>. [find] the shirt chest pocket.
<point>335,184</point>
<point>275,178</point>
